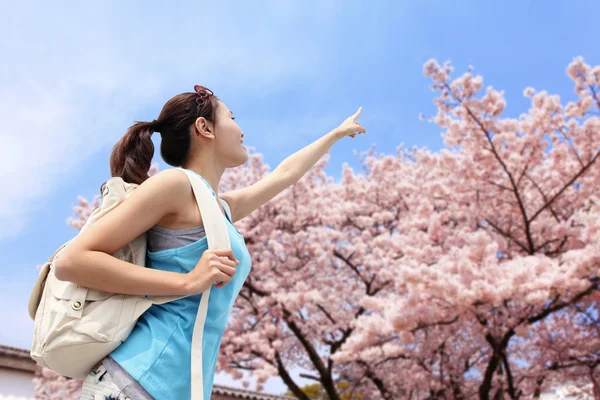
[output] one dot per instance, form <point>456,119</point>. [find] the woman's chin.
<point>243,158</point>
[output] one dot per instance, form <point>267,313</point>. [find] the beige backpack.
<point>76,327</point>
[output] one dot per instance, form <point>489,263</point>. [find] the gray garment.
<point>159,238</point>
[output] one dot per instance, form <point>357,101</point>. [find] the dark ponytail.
<point>132,155</point>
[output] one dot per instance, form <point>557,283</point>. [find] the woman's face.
<point>228,138</point>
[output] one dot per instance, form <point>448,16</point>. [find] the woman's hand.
<point>216,266</point>
<point>350,127</point>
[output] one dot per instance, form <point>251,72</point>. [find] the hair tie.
<point>154,126</point>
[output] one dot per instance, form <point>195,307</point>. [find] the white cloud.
<point>75,80</point>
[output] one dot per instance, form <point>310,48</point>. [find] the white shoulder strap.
<point>218,238</point>
<point>214,225</point>
<point>226,207</point>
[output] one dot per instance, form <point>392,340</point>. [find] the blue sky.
<point>74,76</point>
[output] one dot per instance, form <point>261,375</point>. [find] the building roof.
<point>19,359</point>
<point>15,358</point>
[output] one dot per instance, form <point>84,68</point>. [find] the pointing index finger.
<point>357,114</point>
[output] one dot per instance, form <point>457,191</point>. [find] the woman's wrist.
<point>179,284</point>
<point>336,134</point>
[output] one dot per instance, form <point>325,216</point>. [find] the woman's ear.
<point>204,127</point>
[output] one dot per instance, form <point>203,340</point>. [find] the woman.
<point>198,133</point>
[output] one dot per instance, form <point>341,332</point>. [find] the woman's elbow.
<point>63,265</point>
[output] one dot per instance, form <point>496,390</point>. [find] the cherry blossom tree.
<point>497,277</point>
<point>49,385</point>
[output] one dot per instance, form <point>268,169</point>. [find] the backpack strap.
<point>227,209</point>
<point>217,236</point>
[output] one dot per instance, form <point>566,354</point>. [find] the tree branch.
<point>287,379</point>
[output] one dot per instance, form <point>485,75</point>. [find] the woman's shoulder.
<point>169,188</point>
<point>172,179</point>
<point>173,191</point>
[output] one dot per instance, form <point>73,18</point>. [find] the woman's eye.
<point>233,118</point>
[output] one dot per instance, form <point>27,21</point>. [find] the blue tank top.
<point>158,350</point>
